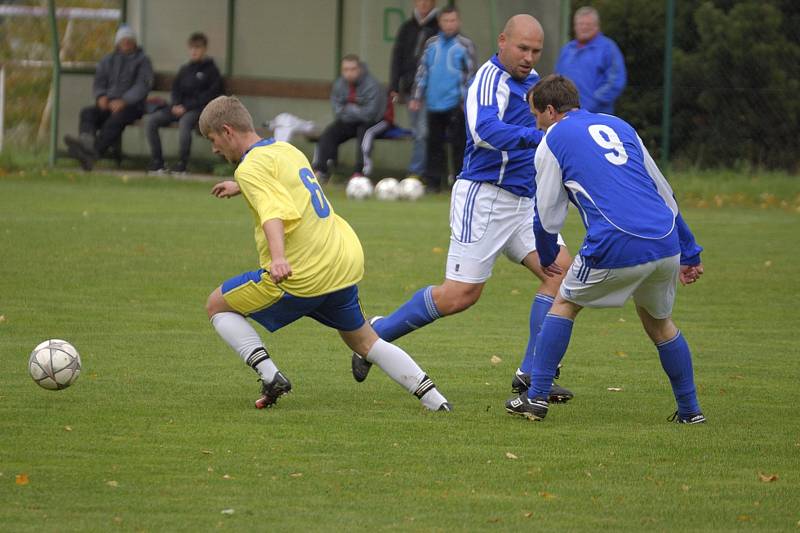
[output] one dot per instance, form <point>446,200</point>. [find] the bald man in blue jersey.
<point>491,208</point>
<point>637,244</point>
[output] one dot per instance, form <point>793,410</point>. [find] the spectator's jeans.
<point>164,117</point>
<point>106,127</point>
<point>443,127</point>
<point>418,120</point>
<point>334,135</point>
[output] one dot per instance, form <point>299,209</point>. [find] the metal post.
<point>123,9</point>
<point>51,5</point>
<point>340,37</point>
<point>2,102</point>
<point>229,38</point>
<point>566,8</point>
<point>666,111</point>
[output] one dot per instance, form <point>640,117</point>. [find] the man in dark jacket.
<point>197,83</point>
<point>358,102</point>
<point>121,83</point>
<point>408,46</point>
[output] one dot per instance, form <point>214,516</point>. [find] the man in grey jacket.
<point>121,83</point>
<point>359,101</point>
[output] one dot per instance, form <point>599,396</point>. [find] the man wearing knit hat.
<point>121,83</point>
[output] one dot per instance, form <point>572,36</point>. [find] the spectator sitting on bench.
<point>121,83</point>
<point>358,102</point>
<point>197,83</point>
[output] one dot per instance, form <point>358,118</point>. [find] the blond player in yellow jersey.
<point>311,259</point>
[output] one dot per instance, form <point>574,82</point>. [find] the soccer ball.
<point>54,364</point>
<point>359,188</point>
<point>387,189</point>
<point>411,189</point>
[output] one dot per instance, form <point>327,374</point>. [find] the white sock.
<point>399,366</point>
<point>240,335</point>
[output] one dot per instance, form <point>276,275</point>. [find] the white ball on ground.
<point>54,364</point>
<point>387,189</point>
<point>359,188</point>
<point>411,189</point>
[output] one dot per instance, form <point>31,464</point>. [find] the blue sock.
<point>419,311</point>
<point>551,346</point>
<point>539,308</point>
<point>676,359</point>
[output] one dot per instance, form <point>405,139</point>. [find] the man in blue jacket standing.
<point>121,83</point>
<point>447,63</point>
<point>594,63</point>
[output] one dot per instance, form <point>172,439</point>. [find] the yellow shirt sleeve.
<point>269,198</point>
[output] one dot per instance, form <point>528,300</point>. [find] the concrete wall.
<point>297,40</point>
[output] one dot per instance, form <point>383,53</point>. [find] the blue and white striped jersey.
<point>501,131</point>
<point>600,164</point>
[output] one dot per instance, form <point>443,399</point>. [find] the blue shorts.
<point>340,310</point>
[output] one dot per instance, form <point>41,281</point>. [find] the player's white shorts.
<point>652,285</point>
<point>485,221</point>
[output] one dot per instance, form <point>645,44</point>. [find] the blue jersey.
<point>600,164</point>
<point>501,131</point>
<point>446,65</point>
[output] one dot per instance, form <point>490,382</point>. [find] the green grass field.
<point>159,432</point>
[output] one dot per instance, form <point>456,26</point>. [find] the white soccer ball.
<point>359,188</point>
<point>387,189</point>
<point>54,364</point>
<point>411,189</point>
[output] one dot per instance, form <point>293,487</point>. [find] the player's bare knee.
<point>214,303</point>
<point>454,299</point>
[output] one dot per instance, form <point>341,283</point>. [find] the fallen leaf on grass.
<point>529,514</point>
<point>767,478</point>
<point>511,455</point>
<point>117,519</point>
<point>22,479</point>
<point>296,474</point>
<point>621,354</point>
<point>112,483</point>
<point>514,292</point>
<point>2,318</point>
<point>767,264</point>
<point>227,476</point>
<point>621,319</point>
<point>685,488</point>
<point>614,389</point>
<point>743,518</point>
<point>437,250</point>
<point>495,360</point>
<point>547,495</point>
<point>207,452</point>
<point>227,511</point>
<point>67,428</point>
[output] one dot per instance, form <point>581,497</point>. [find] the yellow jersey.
<point>322,249</point>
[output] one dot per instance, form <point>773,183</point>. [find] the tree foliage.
<point>735,80</point>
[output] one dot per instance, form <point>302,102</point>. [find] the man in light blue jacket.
<point>594,63</point>
<point>446,65</point>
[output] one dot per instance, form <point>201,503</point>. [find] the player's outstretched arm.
<point>280,269</point>
<point>225,189</point>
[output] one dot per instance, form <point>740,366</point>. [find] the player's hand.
<point>690,274</point>
<point>279,270</point>
<point>393,96</point>
<point>414,105</point>
<point>102,103</point>
<point>116,105</point>
<point>225,189</point>
<point>178,110</point>
<point>553,270</point>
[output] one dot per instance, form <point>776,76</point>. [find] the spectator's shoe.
<point>360,365</point>
<point>179,169</point>
<point>558,394</point>
<point>270,392</point>
<point>696,418</point>
<point>445,407</point>
<point>157,168</point>
<point>535,409</point>
<point>77,149</point>
<point>322,177</point>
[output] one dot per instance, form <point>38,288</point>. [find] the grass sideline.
<point>159,432</point>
